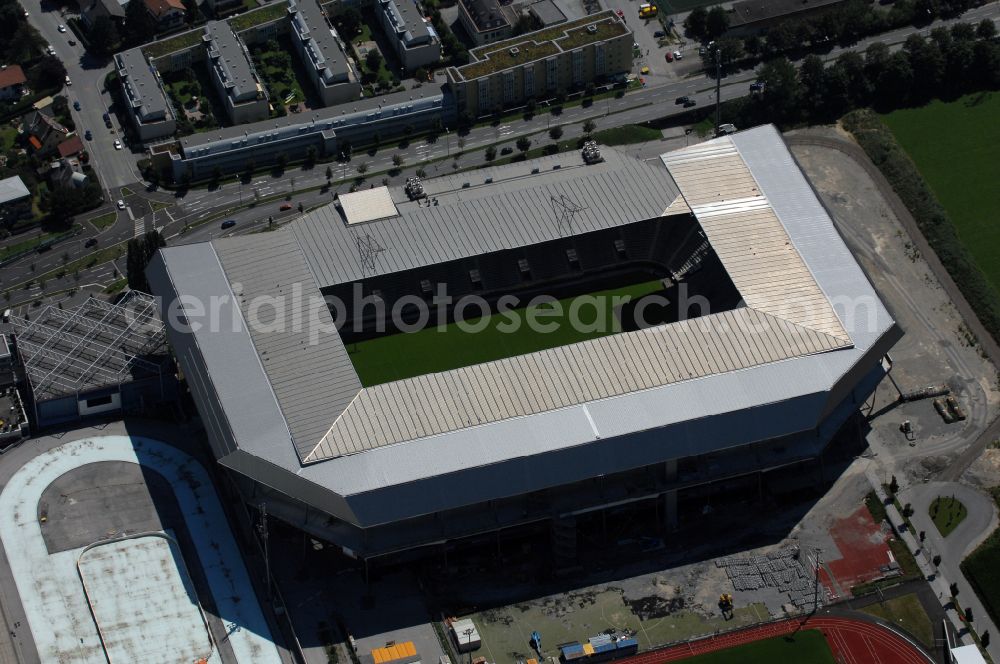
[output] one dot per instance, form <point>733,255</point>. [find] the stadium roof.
<point>761,216</point>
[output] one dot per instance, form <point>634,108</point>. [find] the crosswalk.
<point>139,223</point>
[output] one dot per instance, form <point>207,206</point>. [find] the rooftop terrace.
<point>542,44</point>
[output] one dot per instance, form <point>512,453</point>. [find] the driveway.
<point>980,521</point>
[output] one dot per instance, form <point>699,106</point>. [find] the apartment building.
<point>234,75</point>
<point>542,64</point>
<point>485,21</point>
<point>414,39</point>
<point>323,54</point>
<point>146,101</point>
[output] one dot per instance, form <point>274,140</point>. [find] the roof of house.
<point>231,62</point>
<point>159,7</point>
<point>12,188</point>
<point>12,75</point>
<point>110,7</point>
<point>752,11</point>
<point>487,15</point>
<point>319,41</point>
<point>410,25</point>
<point>547,12</point>
<point>71,146</point>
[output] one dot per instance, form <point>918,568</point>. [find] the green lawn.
<point>21,246</point>
<point>947,512</point>
<point>104,220</point>
<point>907,613</point>
<point>275,66</point>
<point>982,569</point>
<point>434,349</point>
<point>8,134</point>
<point>627,134</point>
<point>956,146</point>
<point>806,647</point>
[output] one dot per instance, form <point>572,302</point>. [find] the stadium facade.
<point>652,414</point>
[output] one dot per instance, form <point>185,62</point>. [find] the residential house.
<point>542,64</point>
<point>413,38</point>
<point>169,14</point>
<point>145,99</point>
<point>485,21</point>
<point>44,132</point>
<point>15,200</point>
<point>12,82</point>
<point>95,9</point>
<point>71,147</point>
<point>323,54</point>
<point>234,75</point>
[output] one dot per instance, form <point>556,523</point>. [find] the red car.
<point>669,56</point>
<point>285,206</point>
<point>620,13</point>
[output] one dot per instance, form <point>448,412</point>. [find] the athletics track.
<point>852,641</point>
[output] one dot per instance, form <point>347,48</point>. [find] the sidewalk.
<point>938,579</point>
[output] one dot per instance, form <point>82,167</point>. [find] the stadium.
<point>727,337</point>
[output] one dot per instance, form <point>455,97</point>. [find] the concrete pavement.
<point>941,577</point>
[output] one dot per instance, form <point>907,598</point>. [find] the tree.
<point>589,126</point>
<point>968,614</point>
<point>953,589</point>
<point>936,560</point>
<point>329,174</point>
<point>893,485</point>
<point>310,155</point>
<point>216,177</point>
<point>524,144</point>
<point>373,60</point>
<point>923,535</point>
<point>812,76</point>
<point>140,251</point>
<point>695,25</point>
<point>48,73</point>
<point>281,161</point>
<point>984,638</point>
<point>349,21</point>
<point>780,100</point>
<point>907,510</point>
<point>103,36</point>
<point>362,168</point>
<point>716,22</point>
<point>193,14</point>
<point>420,74</point>
<point>491,153</point>
<point>986,30</point>
<point>555,133</point>
<point>927,64</point>
<point>397,160</point>
<point>139,25</point>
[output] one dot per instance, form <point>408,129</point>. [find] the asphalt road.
<point>116,167</point>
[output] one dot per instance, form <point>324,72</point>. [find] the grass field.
<point>434,349</point>
<point>956,146</point>
<point>104,220</point>
<point>627,134</point>
<point>982,569</point>
<point>947,513</point>
<point>806,647</point>
<point>906,612</point>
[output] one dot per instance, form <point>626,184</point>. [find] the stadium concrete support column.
<point>670,509</point>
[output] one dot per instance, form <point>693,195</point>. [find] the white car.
<point>678,56</point>
<point>50,50</point>
<point>118,144</point>
<point>68,82</point>
<point>121,204</point>
<point>62,28</point>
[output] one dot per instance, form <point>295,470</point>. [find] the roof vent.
<point>514,51</point>
<point>592,29</point>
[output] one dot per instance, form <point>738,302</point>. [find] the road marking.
<point>140,226</point>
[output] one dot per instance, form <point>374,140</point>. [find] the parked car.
<point>757,86</point>
<point>506,150</point>
<point>678,56</point>
<point>62,28</point>
<point>228,223</point>
<point>92,242</point>
<point>682,100</point>
<point>87,135</point>
<point>71,42</point>
<point>76,104</point>
<point>107,120</point>
<point>620,13</point>
<point>659,34</point>
<point>68,82</point>
<point>50,50</point>
<point>121,204</point>
<point>690,102</point>
<point>644,70</point>
<point>285,206</point>
<point>669,56</point>
<point>118,144</point>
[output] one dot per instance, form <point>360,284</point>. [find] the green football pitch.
<point>484,339</point>
<point>956,146</point>
<point>806,647</point>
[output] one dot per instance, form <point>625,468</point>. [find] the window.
<point>599,64</point>
<point>529,81</point>
<point>551,73</point>
<point>577,67</point>
<point>99,401</point>
<point>484,94</point>
<point>508,87</point>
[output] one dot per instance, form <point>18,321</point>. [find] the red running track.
<point>852,641</point>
